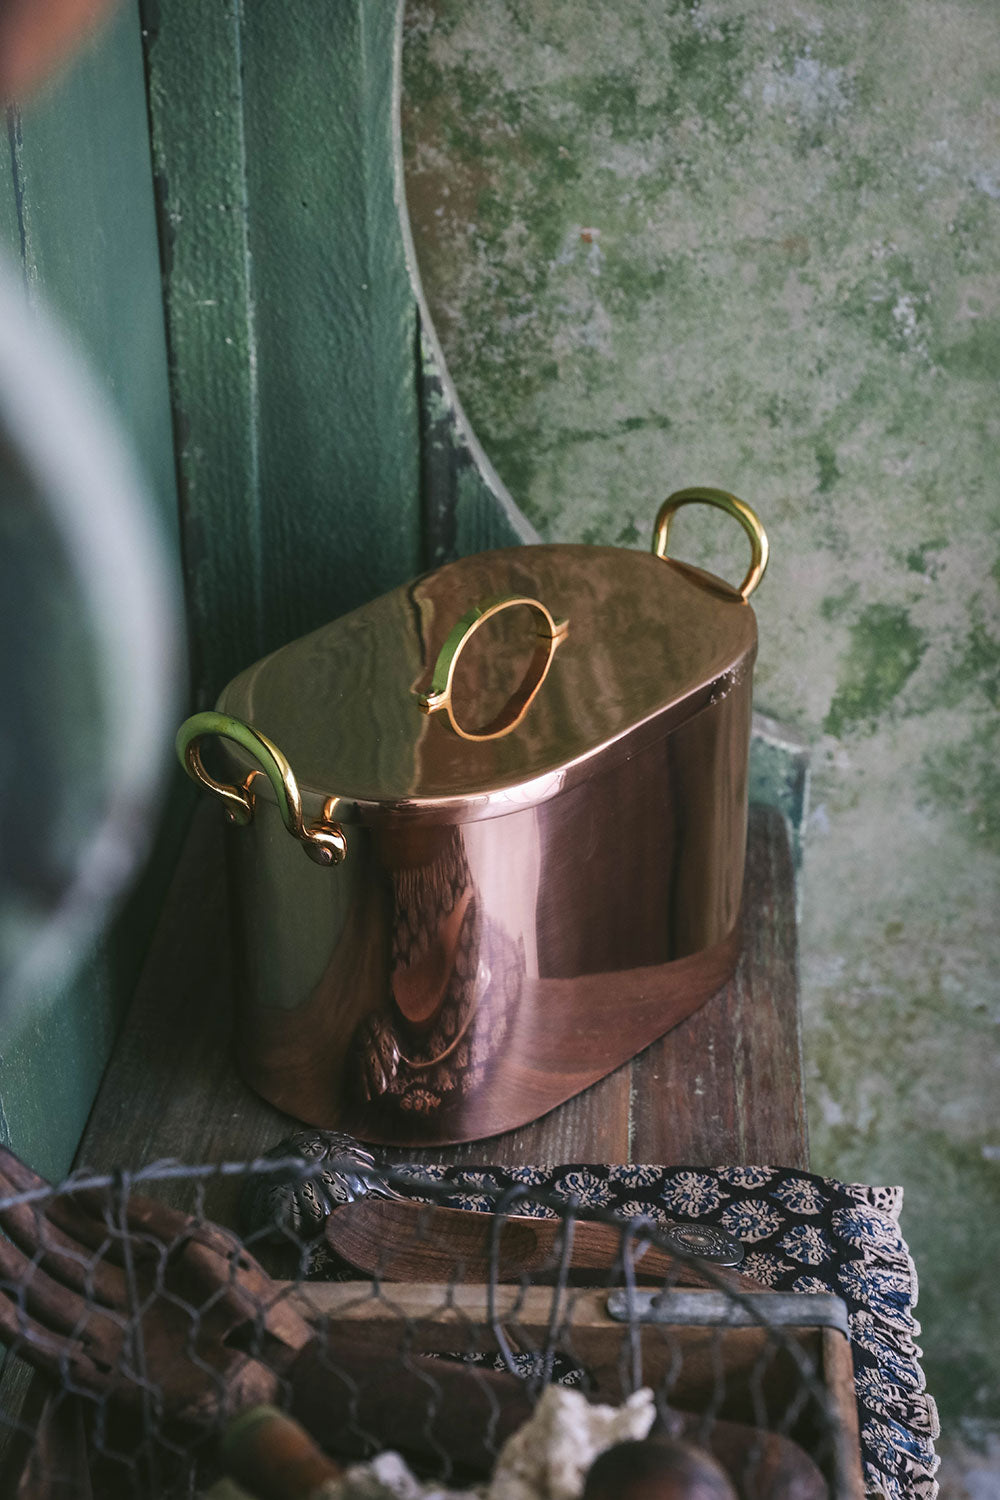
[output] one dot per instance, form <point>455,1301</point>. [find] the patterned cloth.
<point>802,1233</point>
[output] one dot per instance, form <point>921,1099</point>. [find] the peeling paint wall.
<point>756,244</point>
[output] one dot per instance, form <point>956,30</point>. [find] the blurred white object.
<point>88,655</point>
<point>549,1457</point>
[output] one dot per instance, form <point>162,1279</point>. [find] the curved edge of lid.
<point>651,643</point>
<point>498,802</point>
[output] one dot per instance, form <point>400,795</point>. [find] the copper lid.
<point>648,643</point>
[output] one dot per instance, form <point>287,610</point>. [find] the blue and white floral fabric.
<point>802,1233</point>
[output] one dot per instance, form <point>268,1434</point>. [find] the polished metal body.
<point>518,908</point>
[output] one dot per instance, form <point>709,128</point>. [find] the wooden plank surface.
<point>291,319</point>
<point>732,1073</point>
<point>723,1087</point>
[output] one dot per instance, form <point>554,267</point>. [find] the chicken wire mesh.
<point>350,1298</point>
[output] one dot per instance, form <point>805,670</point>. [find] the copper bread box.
<point>493,833</point>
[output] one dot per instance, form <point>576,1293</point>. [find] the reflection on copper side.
<point>453,982</point>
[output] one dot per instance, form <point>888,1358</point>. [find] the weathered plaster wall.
<point>756,243</point>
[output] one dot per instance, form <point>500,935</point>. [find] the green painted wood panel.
<point>466,507</point>
<point>292,325</point>
<point>77,217</point>
<point>10,234</point>
<point>195,105</point>
<point>336,321</point>
<point>323,455</point>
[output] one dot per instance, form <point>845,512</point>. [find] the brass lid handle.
<point>550,635</point>
<point>759,549</point>
<point>324,841</point>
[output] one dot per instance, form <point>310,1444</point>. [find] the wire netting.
<point>141,1310</point>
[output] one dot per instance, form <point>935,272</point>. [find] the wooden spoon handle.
<point>596,1247</point>
<point>407,1241</point>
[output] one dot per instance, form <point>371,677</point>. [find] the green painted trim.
<point>11,228</point>
<point>193,71</point>
<point>467,507</point>
<point>779,774</point>
<point>292,320</point>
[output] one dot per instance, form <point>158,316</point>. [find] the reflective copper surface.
<point>515,917</point>
<point>649,643</point>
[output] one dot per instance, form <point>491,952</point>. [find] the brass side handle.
<point>550,635</point>
<point>733,506</point>
<point>323,841</point>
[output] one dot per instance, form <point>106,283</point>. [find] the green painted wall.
<point>756,244</point>
<point>76,214</point>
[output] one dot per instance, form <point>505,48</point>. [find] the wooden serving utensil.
<point>401,1240</point>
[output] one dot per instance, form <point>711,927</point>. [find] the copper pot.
<point>521,782</point>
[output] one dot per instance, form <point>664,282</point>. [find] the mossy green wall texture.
<point>756,244</point>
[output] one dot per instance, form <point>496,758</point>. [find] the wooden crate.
<point>704,1364</point>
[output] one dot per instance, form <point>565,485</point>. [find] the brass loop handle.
<point>324,841</point>
<point>550,634</point>
<point>759,549</point>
